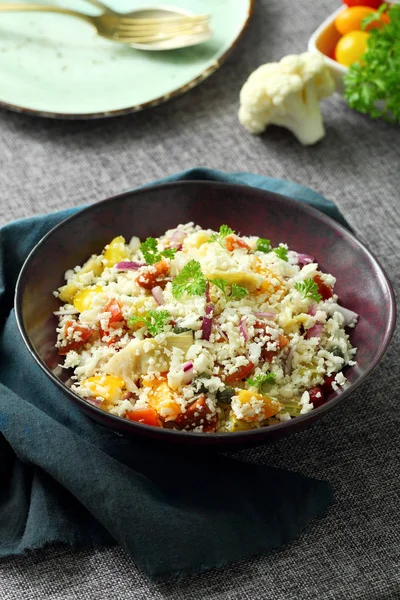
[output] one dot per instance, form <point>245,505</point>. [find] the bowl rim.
<point>215,437</point>
<point>312,42</point>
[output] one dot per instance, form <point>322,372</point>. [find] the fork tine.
<point>128,26</point>
<point>142,39</point>
<point>155,22</point>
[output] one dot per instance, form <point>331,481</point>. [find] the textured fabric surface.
<point>353,552</point>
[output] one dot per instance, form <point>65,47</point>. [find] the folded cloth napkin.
<point>67,479</point>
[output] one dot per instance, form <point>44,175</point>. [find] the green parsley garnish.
<point>372,84</point>
<point>263,245</point>
<point>220,283</point>
<point>238,291</point>
<point>282,253</point>
<point>151,253</point>
<point>154,321</point>
<point>309,289</point>
<point>224,231</point>
<point>261,380</point>
<point>189,281</point>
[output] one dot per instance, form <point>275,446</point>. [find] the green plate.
<point>56,66</point>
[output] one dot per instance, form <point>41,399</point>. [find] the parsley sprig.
<point>309,289</point>
<point>154,321</point>
<point>372,85</point>
<point>261,380</point>
<point>282,253</point>
<point>236,291</point>
<point>189,281</point>
<point>152,254</point>
<point>224,231</point>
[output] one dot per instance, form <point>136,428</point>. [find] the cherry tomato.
<point>324,289</point>
<point>351,47</point>
<point>196,414</point>
<point>147,416</point>
<point>84,334</point>
<point>232,242</point>
<point>371,3</point>
<point>351,19</point>
<point>317,396</point>
<point>116,313</point>
<point>241,373</point>
<point>154,277</point>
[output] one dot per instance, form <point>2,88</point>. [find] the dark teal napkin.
<point>66,479</point>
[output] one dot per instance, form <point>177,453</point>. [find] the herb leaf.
<point>261,380</point>
<point>282,253</point>
<point>309,289</point>
<point>373,87</point>
<point>154,321</point>
<point>189,281</point>
<point>151,253</point>
<point>263,245</point>
<point>220,283</point>
<point>238,291</point>
<point>224,231</point>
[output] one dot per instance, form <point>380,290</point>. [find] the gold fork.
<point>126,29</point>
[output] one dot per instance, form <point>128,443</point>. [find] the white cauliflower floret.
<point>287,94</point>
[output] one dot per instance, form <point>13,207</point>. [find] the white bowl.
<point>323,41</point>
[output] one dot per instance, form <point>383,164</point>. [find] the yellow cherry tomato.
<point>351,47</point>
<point>351,19</point>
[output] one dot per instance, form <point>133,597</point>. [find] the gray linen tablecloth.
<point>354,551</point>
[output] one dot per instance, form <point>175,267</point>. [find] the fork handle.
<point>9,7</point>
<point>102,6</point>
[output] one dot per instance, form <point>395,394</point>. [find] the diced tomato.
<point>232,242</point>
<point>154,277</point>
<point>327,385</point>
<point>147,416</point>
<point>317,396</point>
<point>268,355</point>
<point>241,373</point>
<point>324,289</point>
<point>114,308</point>
<point>84,331</point>
<point>196,415</point>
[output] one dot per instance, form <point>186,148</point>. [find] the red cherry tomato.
<point>324,289</point>
<point>233,241</point>
<point>84,334</point>
<point>196,414</point>
<point>370,3</point>
<point>154,277</point>
<point>241,373</point>
<point>116,313</point>
<point>317,396</point>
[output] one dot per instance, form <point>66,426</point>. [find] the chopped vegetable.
<point>282,253</point>
<point>147,416</point>
<point>288,94</point>
<point>197,413</point>
<point>263,245</point>
<point>116,313</point>
<point>154,321</point>
<point>241,373</point>
<point>206,326</point>
<point>128,265</point>
<point>224,231</point>
<point>308,289</point>
<point>75,335</point>
<point>261,380</point>
<point>158,295</point>
<point>115,252</point>
<point>225,395</point>
<point>190,281</point>
<point>238,291</point>
<point>233,242</point>
<point>373,88</point>
<point>154,276</point>
<point>324,289</point>
<point>152,254</point>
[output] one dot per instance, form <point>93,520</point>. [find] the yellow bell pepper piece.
<point>162,399</point>
<point>116,252</point>
<point>83,300</point>
<point>68,291</point>
<point>270,406</point>
<point>105,386</point>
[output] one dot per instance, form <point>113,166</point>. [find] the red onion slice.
<point>208,292</point>
<point>314,331</point>
<point>350,317</point>
<point>129,266</point>
<point>187,366</point>
<point>158,295</point>
<point>265,315</point>
<point>206,325</point>
<point>243,329</point>
<point>94,401</point>
<point>312,309</point>
<point>288,363</point>
<point>177,238</point>
<point>304,259</point>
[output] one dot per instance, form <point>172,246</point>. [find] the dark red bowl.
<point>361,284</point>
